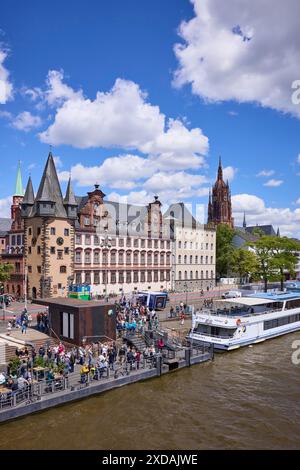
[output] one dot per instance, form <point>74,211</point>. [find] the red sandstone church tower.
<point>219,206</point>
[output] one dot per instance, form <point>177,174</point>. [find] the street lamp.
<point>106,243</point>
<point>186,292</point>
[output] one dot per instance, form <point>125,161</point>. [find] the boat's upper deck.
<point>253,305</point>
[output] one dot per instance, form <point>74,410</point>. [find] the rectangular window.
<point>39,250</point>
<point>66,250</point>
<point>29,250</point>
<point>78,239</point>
<point>113,277</point>
<point>121,241</point>
<point>87,239</point>
<point>66,232</point>
<point>30,269</point>
<point>52,231</point>
<point>39,269</point>
<point>135,276</point>
<point>96,278</point>
<point>52,250</point>
<point>59,254</point>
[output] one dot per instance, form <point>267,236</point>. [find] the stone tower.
<point>219,205</point>
<point>49,241</point>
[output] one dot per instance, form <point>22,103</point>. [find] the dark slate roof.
<point>50,190</point>
<point>5,226</point>
<point>70,198</point>
<point>29,193</point>
<point>267,229</point>
<point>248,237</point>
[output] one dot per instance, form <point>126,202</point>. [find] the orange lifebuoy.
<point>238,322</point>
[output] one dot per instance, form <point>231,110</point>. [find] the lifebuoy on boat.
<point>238,322</point>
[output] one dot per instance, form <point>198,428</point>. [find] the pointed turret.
<point>49,199</point>
<point>220,170</point>
<point>278,233</point>
<point>28,200</point>
<point>19,190</point>
<point>70,202</point>
<point>244,222</point>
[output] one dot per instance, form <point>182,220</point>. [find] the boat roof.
<point>249,301</point>
<point>276,296</point>
<point>262,299</point>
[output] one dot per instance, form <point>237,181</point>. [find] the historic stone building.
<point>219,205</point>
<point>57,241</point>
<point>49,234</point>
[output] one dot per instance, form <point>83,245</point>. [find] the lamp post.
<point>186,292</point>
<point>106,243</point>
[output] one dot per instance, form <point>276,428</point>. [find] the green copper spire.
<point>19,191</point>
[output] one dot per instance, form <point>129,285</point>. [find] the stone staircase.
<point>137,341</point>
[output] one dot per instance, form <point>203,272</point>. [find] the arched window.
<point>179,275</point>
<point>179,259</point>
<point>149,258</point>
<point>206,274</point>
<point>143,258</point>
<point>136,258</point>
<point>162,259</point>
<point>97,257</point>
<point>197,275</point>
<point>63,269</point>
<point>121,257</point>
<point>201,274</point>
<point>113,257</point>
<point>185,259</point>
<point>185,274</point>
<point>128,258</point>
<point>191,274</point>
<point>156,258</point>
<point>78,256</point>
<point>87,257</point>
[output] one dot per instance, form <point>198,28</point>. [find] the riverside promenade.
<point>40,396</point>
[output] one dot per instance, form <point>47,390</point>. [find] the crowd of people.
<point>134,317</point>
<point>25,320</point>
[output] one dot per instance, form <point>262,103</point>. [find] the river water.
<point>246,399</point>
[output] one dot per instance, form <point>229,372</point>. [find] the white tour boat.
<point>247,320</point>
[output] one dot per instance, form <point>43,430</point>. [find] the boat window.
<point>215,331</point>
<point>269,324</point>
<point>293,304</point>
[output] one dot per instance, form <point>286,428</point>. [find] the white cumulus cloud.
<point>273,183</point>
<point>247,51</point>
<point>26,121</point>
<point>6,87</point>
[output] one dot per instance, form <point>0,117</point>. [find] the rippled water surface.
<point>249,398</point>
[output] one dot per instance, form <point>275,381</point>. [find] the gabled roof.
<point>267,229</point>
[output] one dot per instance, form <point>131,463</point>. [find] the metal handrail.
<point>236,315</point>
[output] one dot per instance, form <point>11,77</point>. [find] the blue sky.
<point>164,113</point>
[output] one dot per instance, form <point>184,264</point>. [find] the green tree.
<point>244,263</point>
<point>5,272</point>
<point>285,257</point>
<point>264,249</point>
<point>224,249</point>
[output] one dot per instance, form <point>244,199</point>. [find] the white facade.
<point>194,258</point>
